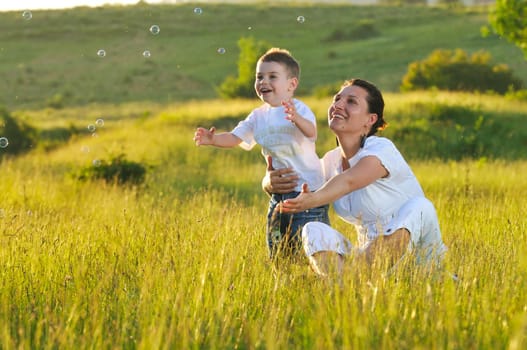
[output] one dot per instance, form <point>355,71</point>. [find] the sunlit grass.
<point>181,261</point>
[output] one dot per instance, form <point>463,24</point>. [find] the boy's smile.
<point>272,83</point>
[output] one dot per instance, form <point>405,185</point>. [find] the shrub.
<point>363,29</point>
<point>243,85</point>
<point>425,130</point>
<point>117,170</point>
<point>21,136</point>
<point>455,70</point>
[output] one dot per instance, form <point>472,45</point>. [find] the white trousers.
<point>417,215</point>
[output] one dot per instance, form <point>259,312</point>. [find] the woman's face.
<point>349,111</point>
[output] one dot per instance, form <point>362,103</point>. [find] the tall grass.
<point>181,262</point>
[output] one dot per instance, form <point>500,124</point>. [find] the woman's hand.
<point>300,203</point>
<point>279,181</point>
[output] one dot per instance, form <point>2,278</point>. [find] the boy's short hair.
<point>283,57</point>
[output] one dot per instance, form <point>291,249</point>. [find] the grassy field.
<point>180,261</point>
<point>51,59</point>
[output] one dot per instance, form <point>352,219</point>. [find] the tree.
<point>243,85</point>
<point>509,19</point>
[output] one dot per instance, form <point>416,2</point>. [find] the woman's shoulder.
<point>379,144</point>
<point>332,157</point>
<point>378,141</point>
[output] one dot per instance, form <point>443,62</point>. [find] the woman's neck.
<point>349,146</point>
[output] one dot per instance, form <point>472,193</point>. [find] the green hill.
<point>52,59</point>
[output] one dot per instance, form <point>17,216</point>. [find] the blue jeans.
<point>284,230</point>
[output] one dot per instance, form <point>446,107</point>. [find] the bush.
<point>20,136</point>
<point>456,71</point>
<point>117,170</point>
<point>451,132</point>
<point>243,85</point>
<point>362,29</point>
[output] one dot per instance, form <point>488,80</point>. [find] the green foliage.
<point>55,53</point>
<point>455,132</point>
<point>56,101</point>
<point>362,29</point>
<point>322,91</point>
<point>520,95</point>
<point>243,84</point>
<point>509,19</point>
<point>20,135</point>
<point>117,170</point>
<point>457,71</point>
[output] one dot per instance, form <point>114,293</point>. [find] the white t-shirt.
<point>283,141</point>
<point>372,207</point>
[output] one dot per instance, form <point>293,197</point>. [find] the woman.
<point>371,186</point>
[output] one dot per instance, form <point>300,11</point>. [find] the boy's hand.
<point>290,110</point>
<point>203,136</point>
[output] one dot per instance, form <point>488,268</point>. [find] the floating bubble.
<point>155,29</point>
<point>101,53</point>
<point>96,162</point>
<point>198,11</point>
<point>85,149</point>
<point>91,128</point>
<point>27,15</point>
<point>94,135</point>
<point>249,28</point>
<point>221,50</point>
<point>300,19</point>
<point>4,142</point>
<point>99,122</point>
<point>147,54</point>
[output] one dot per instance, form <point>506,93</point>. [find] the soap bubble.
<point>101,53</point>
<point>300,19</point>
<point>4,142</point>
<point>147,53</point>
<point>91,128</point>
<point>221,50</point>
<point>155,29</point>
<point>27,15</point>
<point>85,149</point>
<point>99,122</point>
<point>96,162</point>
<point>198,11</point>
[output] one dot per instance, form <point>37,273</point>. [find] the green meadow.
<point>51,59</point>
<point>180,261</point>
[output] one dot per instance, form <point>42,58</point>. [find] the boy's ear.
<point>293,83</point>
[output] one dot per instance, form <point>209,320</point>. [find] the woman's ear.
<point>373,118</point>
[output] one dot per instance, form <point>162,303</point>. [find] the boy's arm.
<point>305,126</point>
<point>209,137</point>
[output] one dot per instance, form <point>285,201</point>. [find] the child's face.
<point>272,83</point>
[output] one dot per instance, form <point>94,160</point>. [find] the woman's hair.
<point>375,102</point>
<point>283,57</point>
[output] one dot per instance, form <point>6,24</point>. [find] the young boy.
<point>286,130</point>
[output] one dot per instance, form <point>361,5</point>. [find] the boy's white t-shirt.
<point>283,141</point>
<point>377,203</point>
